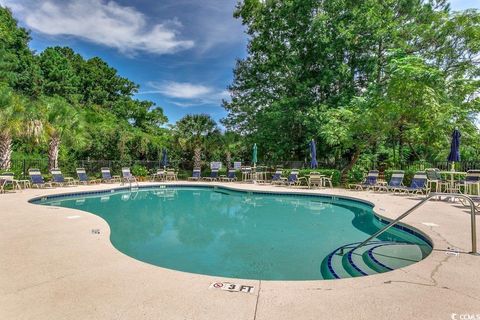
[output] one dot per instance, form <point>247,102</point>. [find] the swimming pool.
<point>223,232</point>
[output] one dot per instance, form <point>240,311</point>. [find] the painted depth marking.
<point>232,287</point>
<point>430,224</point>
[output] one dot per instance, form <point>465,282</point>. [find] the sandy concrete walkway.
<point>53,267</point>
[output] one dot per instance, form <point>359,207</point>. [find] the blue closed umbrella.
<point>313,155</point>
<point>454,155</point>
<point>164,158</point>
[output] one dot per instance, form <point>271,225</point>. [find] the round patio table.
<point>451,188</point>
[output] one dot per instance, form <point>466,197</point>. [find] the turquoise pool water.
<point>233,234</point>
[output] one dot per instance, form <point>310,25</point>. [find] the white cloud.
<point>185,94</point>
<point>183,90</point>
<point>102,22</point>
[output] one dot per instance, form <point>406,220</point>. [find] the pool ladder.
<point>130,183</point>
<point>473,226</point>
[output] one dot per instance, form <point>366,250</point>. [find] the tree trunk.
<point>53,149</point>
<point>197,158</point>
<point>229,159</point>
<point>350,165</point>
<point>5,151</point>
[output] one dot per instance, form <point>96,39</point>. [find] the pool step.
<point>375,257</point>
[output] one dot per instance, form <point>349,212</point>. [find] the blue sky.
<point>181,52</point>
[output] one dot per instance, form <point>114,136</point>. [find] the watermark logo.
<point>465,316</point>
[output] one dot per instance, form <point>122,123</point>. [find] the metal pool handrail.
<point>473,227</point>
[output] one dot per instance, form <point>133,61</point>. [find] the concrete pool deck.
<point>53,267</point>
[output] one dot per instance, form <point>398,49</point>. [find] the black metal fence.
<point>20,167</point>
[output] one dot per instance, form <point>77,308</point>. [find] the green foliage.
<point>381,82</point>
<point>361,77</point>
<point>83,106</point>
<point>139,171</point>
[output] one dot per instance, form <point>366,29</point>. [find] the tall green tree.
<point>11,124</point>
<point>192,133</point>
<point>60,75</point>
<point>18,67</point>
<point>63,125</point>
<point>330,70</point>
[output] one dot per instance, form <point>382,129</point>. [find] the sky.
<point>181,52</point>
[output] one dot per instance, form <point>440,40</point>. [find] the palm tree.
<point>62,124</point>
<point>11,124</point>
<point>193,131</point>
<point>231,145</point>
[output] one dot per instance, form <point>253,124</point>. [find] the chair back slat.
<point>7,176</point>
<point>277,175</point>
<point>57,176</point>
<point>432,174</point>
<point>106,175</point>
<point>126,173</point>
<point>473,176</point>
<point>231,174</point>
<point>82,175</point>
<point>419,180</point>
<point>36,176</point>
<point>293,176</point>
<point>371,178</point>
<point>196,173</point>
<point>397,179</point>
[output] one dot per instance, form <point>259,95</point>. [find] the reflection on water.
<point>234,234</point>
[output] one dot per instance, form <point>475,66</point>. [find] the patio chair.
<point>418,184</point>
<point>9,179</point>
<point>315,179</point>
<point>195,175</point>
<point>213,175</point>
<point>277,177</point>
<point>3,182</point>
<point>396,181</point>
<point>83,178</point>
<point>171,175</point>
<point>230,177</point>
<point>293,179</point>
<point>369,182</point>
<point>328,180</point>
<point>127,176</point>
<point>471,180</point>
<point>37,179</point>
<point>159,175</point>
<point>59,180</point>
<point>247,174</point>
<point>434,176</point>
<point>107,176</point>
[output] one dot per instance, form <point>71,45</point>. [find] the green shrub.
<point>139,171</point>
<point>356,174</point>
